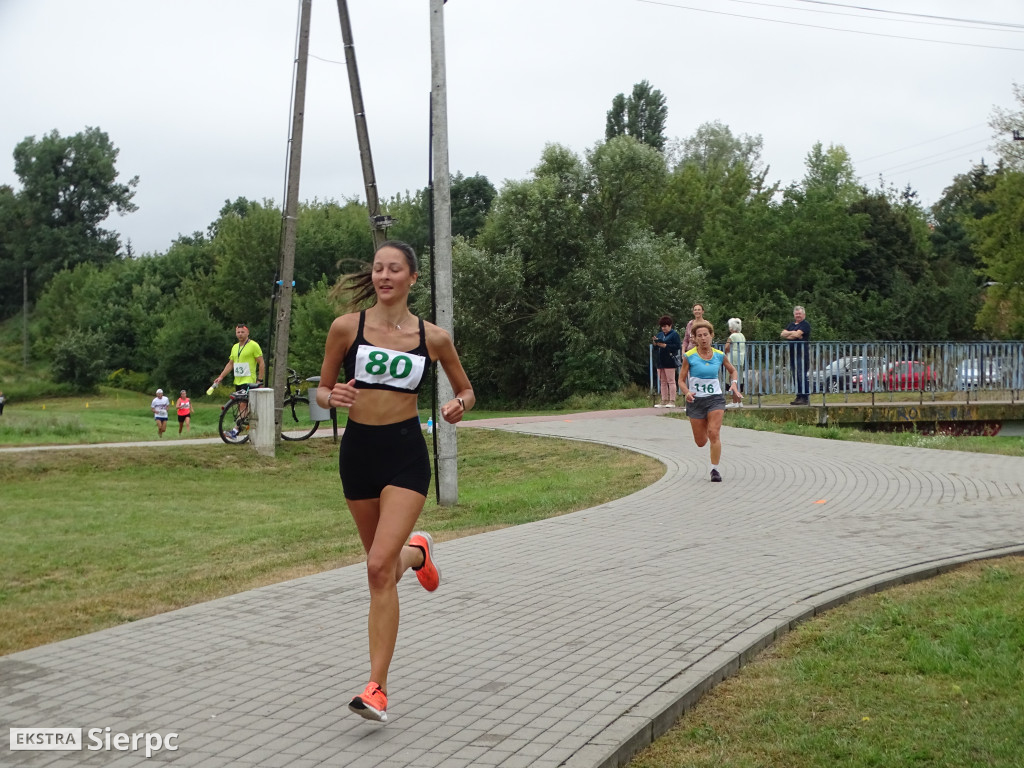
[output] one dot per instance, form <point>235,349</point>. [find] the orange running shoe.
<point>371,704</point>
<point>428,573</point>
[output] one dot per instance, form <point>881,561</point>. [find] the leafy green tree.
<point>641,115</point>
<point>963,201</point>
<point>543,219</point>
<point>246,252</point>
<point>1000,245</point>
<point>627,178</point>
<point>1005,123</point>
<point>11,262</point>
<point>331,240</point>
<point>78,360</point>
<point>830,173</point>
<point>715,183</point>
<point>561,291</point>
<point>312,315</point>
<point>714,150</point>
<point>188,350</point>
<point>69,188</point>
<point>471,198</point>
<point>412,221</point>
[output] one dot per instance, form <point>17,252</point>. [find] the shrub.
<point>79,360</point>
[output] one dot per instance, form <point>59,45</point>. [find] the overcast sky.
<point>196,93</point>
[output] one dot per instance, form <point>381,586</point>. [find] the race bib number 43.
<point>402,370</point>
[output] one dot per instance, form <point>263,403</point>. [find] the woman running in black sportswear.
<point>383,461</point>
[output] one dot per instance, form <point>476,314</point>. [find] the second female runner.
<point>705,403</point>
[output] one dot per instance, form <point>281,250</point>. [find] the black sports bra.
<point>381,368</point>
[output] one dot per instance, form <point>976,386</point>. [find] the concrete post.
<point>441,255</point>
<point>261,421</point>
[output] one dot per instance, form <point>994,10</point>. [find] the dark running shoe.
<point>715,477</point>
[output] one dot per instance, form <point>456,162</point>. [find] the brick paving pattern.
<point>566,642</point>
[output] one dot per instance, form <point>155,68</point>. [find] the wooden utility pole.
<point>291,212</point>
<point>24,317</point>
<point>378,223</point>
<point>441,254</point>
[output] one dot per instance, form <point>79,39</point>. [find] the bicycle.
<point>234,414</point>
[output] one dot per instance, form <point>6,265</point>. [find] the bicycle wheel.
<point>295,418</point>
<point>234,417</point>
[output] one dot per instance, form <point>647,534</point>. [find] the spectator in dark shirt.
<point>668,346</point>
<point>798,333</point>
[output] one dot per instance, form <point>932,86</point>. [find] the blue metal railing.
<point>837,367</point>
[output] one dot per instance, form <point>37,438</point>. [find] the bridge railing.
<point>973,369</point>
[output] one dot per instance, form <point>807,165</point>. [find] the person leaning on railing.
<point>798,333</point>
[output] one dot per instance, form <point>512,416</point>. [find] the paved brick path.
<point>570,641</point>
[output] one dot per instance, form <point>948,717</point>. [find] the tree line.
<point>559,278</point>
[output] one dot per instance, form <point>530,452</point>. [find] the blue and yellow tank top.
<point>703,377</point>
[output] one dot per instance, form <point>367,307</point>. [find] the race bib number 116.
<point>402,370</point>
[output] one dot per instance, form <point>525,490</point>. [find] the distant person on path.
<point>184,406</point>
<point>669,348</point>
<point>736,351</point>
<point>159,408</point>
<point>698,315</point>
<point>386,352</point>
<point>699,383</point>
<point>246,362</point>
<point>798,333</point>
<point>2,401</point>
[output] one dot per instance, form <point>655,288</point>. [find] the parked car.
<point>909,375</point>
<point>846,374</point>
<point>972,373</point>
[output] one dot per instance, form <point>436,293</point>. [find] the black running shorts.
<point>373,457</point>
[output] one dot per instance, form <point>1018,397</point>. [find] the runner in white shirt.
<point>159,408</point>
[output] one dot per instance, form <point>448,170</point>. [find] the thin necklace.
<point>396,325</point>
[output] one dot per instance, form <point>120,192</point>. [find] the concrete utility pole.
<point>441,255</point>
<point>291,210</point>
<point>378,223</point>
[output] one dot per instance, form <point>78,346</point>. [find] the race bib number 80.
<point>402,370</point>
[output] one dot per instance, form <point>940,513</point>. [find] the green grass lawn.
<point>927,674</point>
<point>94,538</point>
<point>115,415</point>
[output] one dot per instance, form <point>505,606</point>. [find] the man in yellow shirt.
<point>245,359</point>
<point>246,362</point>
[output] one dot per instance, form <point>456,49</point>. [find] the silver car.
<point>971,374</point>
<point>846,374</point>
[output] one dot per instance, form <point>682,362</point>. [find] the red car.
<point>909,375</point>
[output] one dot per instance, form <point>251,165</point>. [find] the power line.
<point>922,143</point>
<point>1016,28</point>
<point>925,162</point>
<point>917,15</point>
<point>831,29</point>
